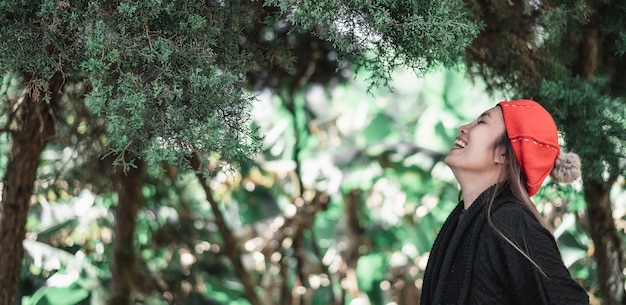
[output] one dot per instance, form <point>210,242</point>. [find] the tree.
<point>34,124</point>
<point>568,55</point>
<point>168,76</point>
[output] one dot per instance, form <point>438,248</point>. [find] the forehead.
<point>494,113</point>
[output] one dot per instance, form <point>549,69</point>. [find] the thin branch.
<point>231,247</point>
<point>355,242</point>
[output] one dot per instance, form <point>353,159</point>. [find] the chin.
<point>447,161</point>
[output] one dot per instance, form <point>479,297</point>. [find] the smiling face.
<point>474,155</point>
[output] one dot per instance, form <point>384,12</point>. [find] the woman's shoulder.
<point>517,222</point>
<point>510,211</point>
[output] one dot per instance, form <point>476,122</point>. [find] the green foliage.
<point>257,204</point>
<point>166,82</point>
<point>383,35</point>
<point>571,107</point>
<point>57,296</point>
<point>167,76</point>
<point>371,270</point>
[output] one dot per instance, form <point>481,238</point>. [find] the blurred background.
<point>281,152</point>
<point>374,193</point>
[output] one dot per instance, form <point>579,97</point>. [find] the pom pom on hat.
<point>566,168</point>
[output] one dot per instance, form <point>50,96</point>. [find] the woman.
<point>493,248</point>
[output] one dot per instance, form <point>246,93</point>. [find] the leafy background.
<point>340,207</point>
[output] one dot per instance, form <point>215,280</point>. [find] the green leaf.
<point>371,270</point>
<point>571,255</point>
<point>57,296</point>
<point>378,129</point>
<point>256,205</point>
<point>322,296</point>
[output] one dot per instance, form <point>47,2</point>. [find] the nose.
<point>464,128</point>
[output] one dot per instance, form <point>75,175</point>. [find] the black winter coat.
<point>471,264</point>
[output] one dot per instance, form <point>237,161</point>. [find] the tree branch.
<point>231,248</point>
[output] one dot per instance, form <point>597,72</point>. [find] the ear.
<point>499,157</point>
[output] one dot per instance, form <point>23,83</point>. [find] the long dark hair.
<point>512,177</point>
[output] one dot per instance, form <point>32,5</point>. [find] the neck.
<point>472,188</point>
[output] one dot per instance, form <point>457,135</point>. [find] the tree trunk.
<point>123,267</point>
<point>34,124</point>
<point>608,246</point>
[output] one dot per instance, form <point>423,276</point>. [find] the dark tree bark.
<point>34,124</point>
<point>124,267</point>
<point>608,245</point>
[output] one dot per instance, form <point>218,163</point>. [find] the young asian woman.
<point>494,248</point>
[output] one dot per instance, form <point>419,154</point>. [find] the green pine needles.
<point>172,78</point>
<point>382,35</point>
<point>163,77</point>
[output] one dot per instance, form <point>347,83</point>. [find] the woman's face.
<point>473,151</point>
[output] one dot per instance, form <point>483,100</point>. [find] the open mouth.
<point>458,143</point>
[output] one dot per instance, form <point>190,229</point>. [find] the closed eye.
<point>480,118</point>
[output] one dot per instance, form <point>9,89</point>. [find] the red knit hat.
<point>534,137</point>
